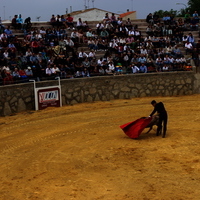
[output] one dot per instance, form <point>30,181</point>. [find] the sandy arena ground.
<point>80,153</point>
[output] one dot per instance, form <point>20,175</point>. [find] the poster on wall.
<point>48,97</point>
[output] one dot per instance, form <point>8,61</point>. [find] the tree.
<point>193,5</point>
<point>162,13</point>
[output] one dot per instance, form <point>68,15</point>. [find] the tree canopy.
<point>193,5</point>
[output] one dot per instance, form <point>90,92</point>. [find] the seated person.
<point>19,21</point>
<point>149,19</point>
<point>53,20</point>
<point>106,19</point>
<point>27,23</point>
<point>193,24</point>
<point>70,21</point>
<point>14,22</point>
<point>187,18</point>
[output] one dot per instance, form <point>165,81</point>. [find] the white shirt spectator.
<point>135,69</point>
<point>165,68</point>
<point>49,71</point>
<point>171,59</point>
<point>143,51</point>
<point>91,54</point>
<point>188,45</point>
<point>82,54</point>
<point>111,66</point>
<point>100,26</point>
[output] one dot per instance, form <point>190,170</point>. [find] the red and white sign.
<point>48,98</point>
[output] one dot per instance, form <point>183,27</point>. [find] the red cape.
<point>134,129</point>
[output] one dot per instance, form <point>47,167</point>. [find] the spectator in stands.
<point>63,73</point>
<point>34,46</point>
<point>195,15</point>
<point>29,72</point>
<point>89,34</point>
<point>74,36</point>
<point>187,18</point>
<point>53,20</point>
<point>102,44</point>
<point>11,46</point>
<point>82,55</point>
<point>110,28</point>
<point>99,28</point>
<point>15,74</point>
<point>91,55</point>
<point>27,23</point>
<point>86,63</point>
<point>104,34</point>
<point>123,31</point>
<point>149,19</point>
<point>1,26</point>
<point>101,71</point>
<point>111,68</point>
<point>188,47</point>
<point>19,21</point>
<point>81,36</point>
<point>143,68</point>
<point>193,24</point>
<point>149,30</point>
<point>7,68</point>
<point>128,24</point>
<point>156,18</point>
<point>8,32</point>
<point>106,19</point>
<point>55,70</point>
<point>42,31</point>
<point>69,44</point>
<point>135,69</point>
<point>7,77</point>
<point>63,20</point>
<point>85,73</point>
<point>49,71</point>
<point>23,75</point>
<point>14,22</point>
<point>34,59</point>
<point>91,44</point>
<point>70,21</point>
<point>176,52</point>
<point>6,54</point>
<point>181,24</point>
<point>165,68</point>
<point>166,19</point>
<point>79,24</point>
<point>159,63</point>
<point>142,59</point>
<point>190,38</point>
<point>85,26</point>
<point>113,20</point>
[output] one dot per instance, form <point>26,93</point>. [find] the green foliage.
<point>162,13</point>
<point>194,5</point>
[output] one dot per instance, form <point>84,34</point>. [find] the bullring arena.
<point>79,153</point>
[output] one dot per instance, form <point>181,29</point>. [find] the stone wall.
<point>20,97</point>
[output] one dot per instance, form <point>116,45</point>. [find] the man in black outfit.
<point>160,109</point>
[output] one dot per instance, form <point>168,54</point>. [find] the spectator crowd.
<point>70,49</point>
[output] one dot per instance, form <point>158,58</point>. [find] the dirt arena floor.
<point>79,153</point>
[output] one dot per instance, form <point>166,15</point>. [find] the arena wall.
<point>20,97</point>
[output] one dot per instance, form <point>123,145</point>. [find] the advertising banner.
<point>48,98</point>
